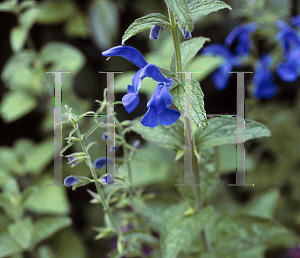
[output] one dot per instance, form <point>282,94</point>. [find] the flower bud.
<point>104,136</point>
<point>70,159</point>
<point>154,33</point>
<point>186,34</point>
<point>101,162</point>
<point>70,180</point>
<point>108,179</point>
<point>137,144</point>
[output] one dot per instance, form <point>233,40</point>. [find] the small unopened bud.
<point>137,144</point>
<point>69,181</point>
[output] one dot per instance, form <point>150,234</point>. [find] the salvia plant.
<point>139,221</point>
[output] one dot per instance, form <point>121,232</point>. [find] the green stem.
<point>204,234</point>
<point>99,189</point>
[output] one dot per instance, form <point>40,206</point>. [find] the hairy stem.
<point>99,189</point>
<point>204,233</point>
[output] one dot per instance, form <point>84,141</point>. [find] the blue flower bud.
<point>69,181</point>
<point>101,162</point>
<point>186,34</point>
<point>108,179</point>
<point>154,33</point>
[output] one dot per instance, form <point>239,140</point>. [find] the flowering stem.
<point>94,174</point>
<point>204,234</point>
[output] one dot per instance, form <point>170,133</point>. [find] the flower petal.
<point>153,72</point>
<point>217,49</point>
<point>101,162</point>
<point>296,21</point>
<point>130,101</point>
<point>221,76</point>
<point>127,52</point>
<point>154,33</point>
<point>287,71</point>
<point>150,118</point>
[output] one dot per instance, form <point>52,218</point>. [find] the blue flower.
<point>154,33</point>
<point>296,21</point>
<point>101,162</point>
<point>290,44</point>
<point>264,88</point>
<point>69,181</point>
<point>186,34</point>
<point>242,33</point>
<point>158,111</point>
<point>131,99</point>
<point>221,75</point>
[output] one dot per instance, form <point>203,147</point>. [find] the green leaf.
<point>21,231</point>
<point>209,171</point>
<point>179,230</point>
<point>222,130</point>
<point>8,245</point>
<point>144,23</point>
<point>189,50</point>
<point>198,113</point>
<point>104,22</point>
<point>47,227</point>
<point>28,193</point>
<point>54,12</point>
<point>263,205</point>
<point>45,252</point>
<point>18,36</point>
<point>49,199</point>
<point>231,234</point>
<point>180,10</point>
<point>25,71</point>
<point>63,57</point>
<point>16,104</point>
<point>205,7</point>
<point>205,65</point>
<point>169,137</point>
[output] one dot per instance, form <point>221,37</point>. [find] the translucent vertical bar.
<point>57,129</point>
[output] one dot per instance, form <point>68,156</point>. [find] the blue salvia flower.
<point>242,33</point>
<point>158,111</point>
<point>290,44</point>
<point>186,34</point>
<point>101,162</point>
<point>296,21</point>
<point>221,75</point>
<point>69,181</point>
<point>264,87</point>
<point>131,99</point>
<point>104,136</point>
<point>154,33</point>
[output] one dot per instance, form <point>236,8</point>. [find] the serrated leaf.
<point>169,137</point>
<point>180,10</point>
<point>8,245</point>
<point>47,227</point>
<point>231,234</point>
<point>16,104</point>
<point>222,130</point>
<point>179,230</point>
<point>144,23</point>
<point>205,7</point>
<point>188,50</point>
<point>198,113</point>
<point>21,231</point>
